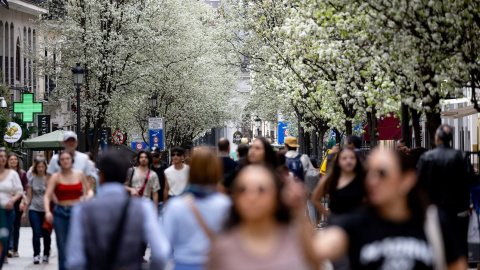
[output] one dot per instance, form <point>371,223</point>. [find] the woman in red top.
<point>69,186</point>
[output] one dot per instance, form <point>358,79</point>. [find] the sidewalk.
<point>25,250</point>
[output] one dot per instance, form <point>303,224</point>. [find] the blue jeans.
<point>312,212</point>
<point>185,266</point>
<point>16,226</point>
<point>61,224</point>
<point>10,217</point>
<point>36,220</point>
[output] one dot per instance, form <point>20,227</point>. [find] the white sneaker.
<point>36,259</point>
<point>45,259</point>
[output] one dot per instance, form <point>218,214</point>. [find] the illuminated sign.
<point>27,107</point>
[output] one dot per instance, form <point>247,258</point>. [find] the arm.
<point>153,234</point>
<point>87,191</point>
<point>52,184</point>
<point>317,195</point>
<point>165,192</point>
<point>76,260</point>
<point>29,201</point>
<point>155,199</point>
<point>331,244</point>
<point>130,190</point>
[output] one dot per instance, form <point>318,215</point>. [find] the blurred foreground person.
<point>36,211</point>
<point>399,231</point>
<point>11,191</point>
<point>447,174</point>
<point>260,232</point>
<point>68,186</point>
<point>192,220</point>
<point>111,231</point>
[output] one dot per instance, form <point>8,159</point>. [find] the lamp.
<point>258,122</point>
<point>3,103</point>
<point>78,72</point>
<point>152,103</point>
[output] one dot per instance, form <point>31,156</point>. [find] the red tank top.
<point>68,192</point>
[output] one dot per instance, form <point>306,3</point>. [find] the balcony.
<point>34,7</point>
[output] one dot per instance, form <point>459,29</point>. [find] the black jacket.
<point>447,175</point>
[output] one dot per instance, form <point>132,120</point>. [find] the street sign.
<point>156,132</point>
<point>14,133</point>
<point>118,137</point>
<point>27,107</point>
<point>283,131</point>
<point>139,146</point>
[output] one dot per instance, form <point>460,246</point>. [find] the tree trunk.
<point>338,137</point>
<point>372,128</point>
<point>306,144</point>
<point>433,122</point>
<point>416,126</point>
<point>405,125</point>
<point>97,135</point>
<point>321,137</point>
<point>348,128</point>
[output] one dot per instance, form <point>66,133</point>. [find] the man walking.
<point>80,160</point>
<point>177,175</point>
<point>112,231</point>
<point>141,180</point>
<point>230,167</point>
<point>446,175</point>
<point>159,167</point>
<point>297,163</point>
<point>355,143</point>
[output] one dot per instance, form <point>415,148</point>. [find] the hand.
<point>9,205</point>
<point>133,192</point>
<point>22,206</point>
<point>294,195</point>
<point>49,217</point>
<point>24,216</point>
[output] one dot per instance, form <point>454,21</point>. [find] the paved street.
<point>25,261</point>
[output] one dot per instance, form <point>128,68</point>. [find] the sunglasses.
<point>177,154</point>
<point>260,190</point>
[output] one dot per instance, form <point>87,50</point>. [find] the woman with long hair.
<point>12,163</point>
<point>68,186</point>
<point>36,210</point>
<point>343,184</point>
<point>399,230</point>
<point>11,191</point>
<point>191,220</point>
<point>262,231</point>
<point>262,153</point>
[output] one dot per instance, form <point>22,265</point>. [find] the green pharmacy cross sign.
<point>27,107</point>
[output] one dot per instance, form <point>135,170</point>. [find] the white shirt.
<point>81,163</point>
<point>177,179</point>
<point>10,187</point>
<point>304,159</point>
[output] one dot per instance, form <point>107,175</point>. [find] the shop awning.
<point>458,113</point>
<point>49,141</point>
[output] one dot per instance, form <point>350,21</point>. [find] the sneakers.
<point>10,253</point>
<point>36,259</point>
<point>15,254</point>
<point>45,259</point>
<point>6,260</point>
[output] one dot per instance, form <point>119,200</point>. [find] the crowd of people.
<point>388,209</point>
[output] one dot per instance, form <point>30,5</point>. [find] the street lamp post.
<point>78,72</point>
<point>152,103</point>
<point>258,122</point>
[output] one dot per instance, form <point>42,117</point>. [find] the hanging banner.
<point>43,124</point>
<point>14,133</point>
